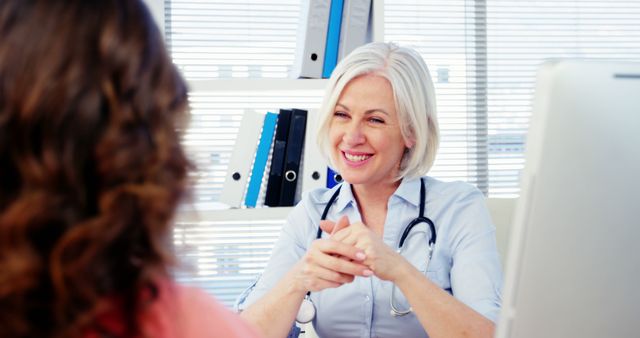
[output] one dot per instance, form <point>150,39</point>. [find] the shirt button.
<point>367,298</point>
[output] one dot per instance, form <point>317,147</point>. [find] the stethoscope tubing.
<point>307,303</point>
<point>420,219</point>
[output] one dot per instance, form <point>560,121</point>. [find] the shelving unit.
<point>209,235</point>
<point>260,84</point>
<point>232,215</point>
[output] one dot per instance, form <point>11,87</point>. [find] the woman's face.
<point>367,145</point>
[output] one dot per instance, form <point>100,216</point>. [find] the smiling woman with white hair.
<point>414,97</point>
<point>389,252</point>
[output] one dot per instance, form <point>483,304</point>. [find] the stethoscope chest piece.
<point>307,311</point>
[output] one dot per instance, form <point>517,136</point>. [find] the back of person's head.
<point>91,168</point>
<point>413,92</point>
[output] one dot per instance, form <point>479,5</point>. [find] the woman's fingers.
<point>329,275</point>
<point>347,267</point>
<point>342,223</point>
<point>351,235</point>
<point>329,264</point>
<point>333,247</point>
<point>337,257</point>
<point>327,226</point>
<point>380,258</point>
<point>319,284</point>
<point>321,267</point>
<point>331,227</point>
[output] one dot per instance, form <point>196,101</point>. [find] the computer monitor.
<point>573,265</point>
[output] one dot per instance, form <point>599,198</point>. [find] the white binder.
<point>355,24</point>
<point>314,167</point>
<point>244,151</point>
<point>312,36</point>
<point>260,161</point>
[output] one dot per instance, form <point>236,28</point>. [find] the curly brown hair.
<point>91,168</point>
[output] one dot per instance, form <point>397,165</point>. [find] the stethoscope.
<point>307,310</point>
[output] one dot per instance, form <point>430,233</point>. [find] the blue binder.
<point>259,164</point>
<point>333,38</point>
<point>333,178</point>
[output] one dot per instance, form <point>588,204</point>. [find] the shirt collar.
<point>409,190</point>
<point>345,197</point>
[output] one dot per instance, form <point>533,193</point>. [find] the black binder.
<point>272,194</point>
<point>295,143</point>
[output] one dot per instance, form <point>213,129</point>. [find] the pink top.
<point>185,312</point>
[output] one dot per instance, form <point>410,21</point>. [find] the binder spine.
<point>274,183</point>
<point>235,183</point>
<point>262,154</point>
<point>355,24</point>
<point>333,38</point>
<point>295,140</point>
<point>312,35</point>
<point>314,166</point>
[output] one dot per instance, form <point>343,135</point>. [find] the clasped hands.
<point>351,250</point>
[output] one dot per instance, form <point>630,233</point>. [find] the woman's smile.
<point>356,159</point>
<point>368,145</point>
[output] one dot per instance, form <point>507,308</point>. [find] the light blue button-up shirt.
<point>465,259</point>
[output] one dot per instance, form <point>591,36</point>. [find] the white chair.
<point>501,210</point>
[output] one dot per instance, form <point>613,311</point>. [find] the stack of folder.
<point>274,160</point>
<point>329,31</point>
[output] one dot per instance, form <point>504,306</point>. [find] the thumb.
<point>327,226</point>
<point>343,222</point>
<point>331,227</point>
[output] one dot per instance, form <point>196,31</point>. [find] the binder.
<point>312,35</point>
<point>333,38</point>
<point>272,195</point>
<point>314,166</point>
<point>291,170</point>
<point>262,154</point>
<point>244,150</point>
<point>333,178</point>
<point>355,25</point>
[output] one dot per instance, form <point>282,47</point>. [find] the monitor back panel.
<point>573,265</point>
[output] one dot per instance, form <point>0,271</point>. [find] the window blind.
<point>521,35</point>
<point>449,35</point>
<point>482,56</point>
<point>488,52</point>
<point>214,257</point>
<point>232,39</point>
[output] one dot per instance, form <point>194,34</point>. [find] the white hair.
<point>413,93</point>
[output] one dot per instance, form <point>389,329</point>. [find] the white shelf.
<point>230,215</point>
<point>256,84</point>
